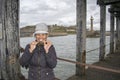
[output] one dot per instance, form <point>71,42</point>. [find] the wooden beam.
<point>81,36</point>
<point>107,2</point>
<point>113,10</point>
<point>102,31</point>
<point>100,2</point>
<point>117,15</point>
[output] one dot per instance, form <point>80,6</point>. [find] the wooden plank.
<point>102,31</point>
<point>81,36</point>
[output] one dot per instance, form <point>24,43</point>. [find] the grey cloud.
<point>48,13</point>
<point>57,11</point>
<point>40,8</point>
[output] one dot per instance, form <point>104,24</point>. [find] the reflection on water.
<point>66,48</point>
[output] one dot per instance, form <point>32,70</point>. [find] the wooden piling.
<point>9,42</point>
<point>2,46</point>
<point>81,36</point>
<point>0,33</point>
<point>112,33</point>
<point>118,35</point>
<point>102,31</point>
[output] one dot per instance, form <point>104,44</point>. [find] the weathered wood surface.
<point>112,38</point>
<point>102,31</point>
<point>9,44</point>
<point>1,41</point>
<point>107,2</point>
<point>117,49</point>
<point>116,35</point>
<point>115,9</point>
<point>81,36</point>
<point>119,34</point>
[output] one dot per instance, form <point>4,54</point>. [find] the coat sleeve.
<point>24,60</point>
<point>51,57</point>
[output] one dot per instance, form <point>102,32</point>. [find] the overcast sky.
<point>62,12</point>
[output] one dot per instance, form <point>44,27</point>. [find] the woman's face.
<point>41,37</point>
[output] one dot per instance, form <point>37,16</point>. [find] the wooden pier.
<point>9,35</point>
<point>81,26</point>
<point>102,70</point>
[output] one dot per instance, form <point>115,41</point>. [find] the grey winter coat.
<point>40,64</point>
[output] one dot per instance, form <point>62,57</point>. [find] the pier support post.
<point>3,71</point>
<point>9,40</point>
<point>111,33</point>
<point>102,31</point>
<point>117,34</point>
<point>0,37</point>
<point>81,36</point>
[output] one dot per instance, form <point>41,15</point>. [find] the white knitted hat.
<point>41,28</point>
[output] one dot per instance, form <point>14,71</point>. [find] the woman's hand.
<point>47,45</point>
<point>32,46</point>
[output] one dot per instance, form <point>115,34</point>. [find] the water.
<point>66,48</point>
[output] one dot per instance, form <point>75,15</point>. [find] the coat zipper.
<point>39,66</point>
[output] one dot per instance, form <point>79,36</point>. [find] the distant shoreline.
<point>50,35</point>
<point>58,31</point>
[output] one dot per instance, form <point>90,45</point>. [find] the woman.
<point>40,56</point>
